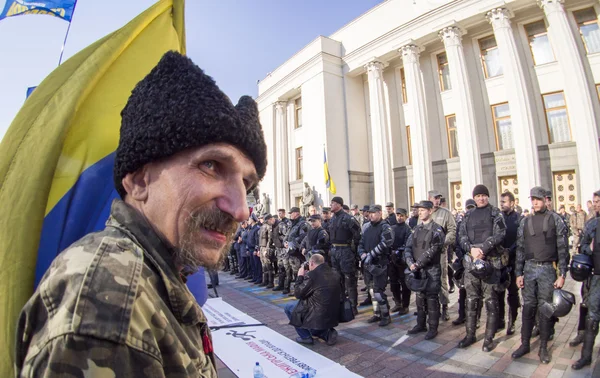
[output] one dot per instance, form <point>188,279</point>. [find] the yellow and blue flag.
<point>58,8</point>
<point>56,159</point>
<point>328,180</point>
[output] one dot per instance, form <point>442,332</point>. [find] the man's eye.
<point>210,164</point>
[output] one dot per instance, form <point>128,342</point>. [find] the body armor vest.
<point>540,237</point>
<point>263,236</point>
<point>481,225</point>
<point>277,236</point>
<point>340,231</point>
<point>421,241</point>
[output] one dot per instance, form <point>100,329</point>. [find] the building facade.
<point>438,94</point>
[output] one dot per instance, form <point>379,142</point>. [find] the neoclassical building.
<point>422,94</point>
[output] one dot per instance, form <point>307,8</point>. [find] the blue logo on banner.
<point>59,8</point>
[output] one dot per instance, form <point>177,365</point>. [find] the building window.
<point>502,126</point>
<point>299,171</point>
<point>409,145</point>
<point>490,57</point>
<point>587,21</point>
<point>557,117</point>
<point>539,43</point>
<point>298,107</point>
<point>452,139</point>
<point>444,72</point>
<point>403,83</point>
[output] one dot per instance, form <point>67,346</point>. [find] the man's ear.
<point>136,184</point>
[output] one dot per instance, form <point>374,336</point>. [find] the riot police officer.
<point>266,250</point>
<point>423,253</point>
<point>326,218</point>
<point>279,236</point>
<point>481,232</point>
<point>512,220</point>
<point>462,292</point>
<point>344,231</point>
<point>316,240</point>
<point>374,251</point>
<point>541,243</point>
<point>397,266</point>
<point>590,245</point>
<point>298,228</point>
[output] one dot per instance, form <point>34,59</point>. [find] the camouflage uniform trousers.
<point>593,299</point>
<point>265,260</point>
<point>478,291</point>
<point>539,286</point>
<point>444,295</point>
<point>343,259</point>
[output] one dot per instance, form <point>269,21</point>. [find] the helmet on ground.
<point>416,281</point>
<point>482,269</point>
<point>562,303</point>
<point>581,267</point>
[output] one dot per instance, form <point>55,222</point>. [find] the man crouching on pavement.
<point>319,291</point>
<point>115,302</point>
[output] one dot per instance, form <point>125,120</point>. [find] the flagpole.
<point>62,49</point>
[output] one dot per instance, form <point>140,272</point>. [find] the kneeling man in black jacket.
<point>317,312</point>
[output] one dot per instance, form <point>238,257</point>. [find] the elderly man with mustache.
<point>115,302</point>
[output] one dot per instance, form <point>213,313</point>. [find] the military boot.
<point>265,280</point>
<point>578,339</point>
<point>445,316</point>
<point>287,285</point>
<point>280,281</point>
<point>421,317</point>
<point>512,319</point>
<point>433,312</point>
<point>545,330</point>
<point>385,314</point>
<point>591,330</point>
<point>526,329</point>
<point>490,327</point>
<point>471,323</point>
<point>271,276</point>
<point>368,300</point>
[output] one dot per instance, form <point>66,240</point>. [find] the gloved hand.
<point>369,258</point>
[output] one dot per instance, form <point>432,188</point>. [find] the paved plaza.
<point>371,351</point>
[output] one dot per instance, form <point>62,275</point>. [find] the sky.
<point>237,42</point>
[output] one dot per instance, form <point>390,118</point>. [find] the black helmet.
<point>482,269</point>
<point>562,303</point>
<point>416,281</point>
<point>581,267</point>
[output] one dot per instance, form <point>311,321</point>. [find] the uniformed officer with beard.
<point>423,253</point>
<point>344,232</point>
<point>397,266</point>
<point>298,228</point>
<point>590,245</point>
<point>481,232</point>
<point>541,243</point>
<point>374,251</point>
<point>512,219</point>
<point>280,231</point>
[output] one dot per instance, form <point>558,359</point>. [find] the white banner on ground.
<point>241,348</point>
<point>221,314</point>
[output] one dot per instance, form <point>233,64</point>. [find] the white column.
<point>382,163</point>
<point>415,91</point>
<point>281,161</point>
<point>578,95</point>
<point>466,127</point>
<point>519,101</point>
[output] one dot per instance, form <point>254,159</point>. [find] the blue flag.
<point>59,8</point>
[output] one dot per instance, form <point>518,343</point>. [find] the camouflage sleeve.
<point>589,233</point>
<point>465,243</point>
<point>303,287</point>
<point>561,244</point>
<point>302,231</point>
<point>356,231</point>
<point>435,248</point>
<point>385,241</point>
<point>520,263</point>
<point>497,236</point>
<point>450,231</point>
<point>80,356</point>
<point>408,256</point>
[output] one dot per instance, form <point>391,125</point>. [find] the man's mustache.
<point>213,219</point>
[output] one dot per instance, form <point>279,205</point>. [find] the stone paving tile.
<point>391,353</point>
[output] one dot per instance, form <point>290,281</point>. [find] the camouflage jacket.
<point>589,235</point>
<point>113,304</point>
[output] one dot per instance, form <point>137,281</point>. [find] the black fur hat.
<point>177,106</point>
